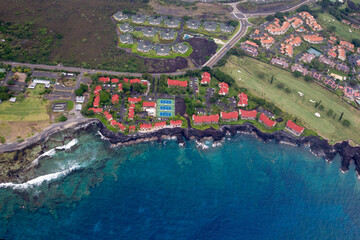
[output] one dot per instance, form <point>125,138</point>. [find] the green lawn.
<point>140,35</point>
<point>342,30</point>
<point>255,76</point>
<point>29,109</point>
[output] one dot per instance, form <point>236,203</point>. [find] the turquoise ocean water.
<point>243,189</point>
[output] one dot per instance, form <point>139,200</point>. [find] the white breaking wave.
<point>39,180</point>
<point>201,145</point>
<point>102,136</point>
<point>51,152</point>
<point>68,146</point>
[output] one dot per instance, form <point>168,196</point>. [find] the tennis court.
<point>165,108</point>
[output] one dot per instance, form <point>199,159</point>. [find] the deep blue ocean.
<point>243,189</point>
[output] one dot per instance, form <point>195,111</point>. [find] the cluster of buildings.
<point>334,53</point>
<point>136,105</point>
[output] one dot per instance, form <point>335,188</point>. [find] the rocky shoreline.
<point>22,157</point>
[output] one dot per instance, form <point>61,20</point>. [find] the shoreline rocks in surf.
<point>22,158</point>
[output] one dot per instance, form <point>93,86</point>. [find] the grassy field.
<point>29,109</point>
<point>255,76</point>
<point>342,30</point>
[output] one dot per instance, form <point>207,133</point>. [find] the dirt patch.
<point>13,131</point>
<point>20,77</point>
<point>166,65</point>
<point>214,11</point>
<point>203,49</point>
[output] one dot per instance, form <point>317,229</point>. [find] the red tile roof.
<point>229,115</point>
<point>145,126</point>
<point>206,77</point>
<point>248,114</point>
<point>115,99</point>
<point>267,121</point>
<point>116,124</point>
<point>177,83</point>
<point>126,80</point>
<point>104,79</point>
<point>97,90</point>
<point>134,100</point>
<point>96,102</point>
<point>149,104</point>
<point>160,124</point>
<point>175,123</point>
<point>136,80</point>
<point>295,127</point>
<point>205,118</point>
<point>115,80</point>
<point>243,99</point>
<point>96,110</point>
<point>131,113</point>
<point>224,88</point>
<point>131,128</point>
<point>108,116</point>
<point>120,87</point>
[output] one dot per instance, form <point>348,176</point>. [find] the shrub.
<point>346,123</point>
<point>62,118</point>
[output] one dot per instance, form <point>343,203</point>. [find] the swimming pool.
<point>186,36</point>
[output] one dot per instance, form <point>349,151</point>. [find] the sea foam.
<point>39,180</point>
<point>52,151</point>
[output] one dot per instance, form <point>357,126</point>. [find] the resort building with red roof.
<point>205,119</point>
<point>132,128</point>
<point>175,123</point>
<point>248,115</point>
<point>294,128</point>
<point>176,83</point>
<point>159,125</point>
<point>243,100</point>
<point>205,78</point>
<point>266,121</point>
<point>224,88</point>
<point>150,108</point>
<point>115,99</point>
<point>108,116</point>
<point>120,87</point>
<point>145,127</point>
<point>96,102</point>
<point>117,124</point>
<point>96,110</point>
<point>104,79</point>
<point>115,80</point>
<point>97,90</point>
<point>134,100</point>
<point>229,116</point>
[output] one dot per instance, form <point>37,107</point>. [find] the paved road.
<point>231,43</point>
<point>82,70</point>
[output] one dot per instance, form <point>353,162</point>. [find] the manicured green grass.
<point>29,109</point>
<point>256,79</point>
<point>36,91</point>
<point>342,30</point>
<point>140,35</point>
<point>70,103</point>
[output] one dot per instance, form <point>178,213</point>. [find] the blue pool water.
<point>244,189</point>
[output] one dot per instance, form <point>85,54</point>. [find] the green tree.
<point>346,123</point>
<point>62,118</point>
